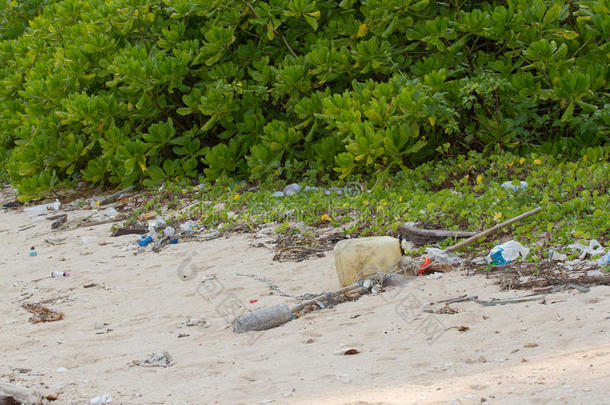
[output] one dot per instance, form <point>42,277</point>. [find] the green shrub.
<point>126,91</point>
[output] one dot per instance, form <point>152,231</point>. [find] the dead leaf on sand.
<point>41,313</point>
<point>532,344</point>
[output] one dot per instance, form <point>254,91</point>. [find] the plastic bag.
<point>506,252</point>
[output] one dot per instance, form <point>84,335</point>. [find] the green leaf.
<point>420,5</point>
<point>567,34</point>
<point>313,22</point>
<point>567,114</point>
<point>552,14</point>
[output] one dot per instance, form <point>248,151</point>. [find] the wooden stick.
<point>491,230</point>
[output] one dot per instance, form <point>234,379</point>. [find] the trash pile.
<point>295,188</point>
<point>582,264</point>
<point>367,265</point>
<point>160,233</point>
<point>160,359</point>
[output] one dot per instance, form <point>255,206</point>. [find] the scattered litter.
<point>508,185</point>
<point>434,276</point>
<point>12,204</point>
<point>344,378</point>
<point>188,226</point>
<point>161,359</point>
<point>42,209</point>
<point>181,335</point>
<point>291,189</point>
<point>101,328</point>
<point>145,240</point>
<point>59,274</point>
<point>253,301</point>
<point>173,241</point>
<point>355,259</point>
<point>595,273</point>
<point>506,252</point>
<point>442,257</point>
<point>41,313</point>
<point>33,252</point>
<point>594,248</point>
<point>424,265</point>
<point>446,310</point>
<point>62,370</point>
<point>169,231</point>
<point>85,240</point>
<point>556,256</point>
<point>58,220</point>
<point>442,260</point>
<point>209,235</point>
<point>110,212</point>
<point>604,259</point>
<point>263,319</point>
<point>196,322</point>
<point>381,276</point>
<point>104,399</point>
<point>331,190</point>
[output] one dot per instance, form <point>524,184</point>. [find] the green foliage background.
<point>125,91</point>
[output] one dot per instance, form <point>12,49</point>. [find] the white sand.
<point>145,303</point>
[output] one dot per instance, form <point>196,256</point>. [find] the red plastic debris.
<point>253,301</point>
<point>424,266</point>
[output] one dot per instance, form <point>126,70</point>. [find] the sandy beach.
<point>553,350</point>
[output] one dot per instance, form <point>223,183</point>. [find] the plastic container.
<point>59,274</point>
<point>357,258</point>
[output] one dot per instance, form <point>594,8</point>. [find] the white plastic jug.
<point>357,258</point>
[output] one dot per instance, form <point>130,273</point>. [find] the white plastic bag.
<point>594,248</point>
<point>506,252</point>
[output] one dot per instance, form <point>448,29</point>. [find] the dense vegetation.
<point>123,91</point>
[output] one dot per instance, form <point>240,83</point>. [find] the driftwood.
<point>137,230</point>
<point>426,236</point>
<point>13,394</point>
